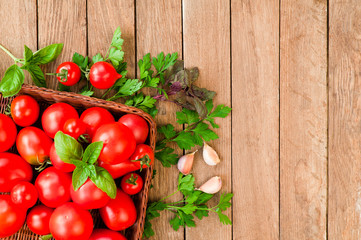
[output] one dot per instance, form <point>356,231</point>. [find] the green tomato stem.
<point>10,54</point>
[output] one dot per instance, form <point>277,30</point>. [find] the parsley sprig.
<point>193,204</point>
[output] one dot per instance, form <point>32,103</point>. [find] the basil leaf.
<point>67,147</point>
<point>36,74</point>
<point>12,81</point>
<point>28,54</point>
<point>47,54</point>
<point>105,182</point>
<point>80,175</point>
<point>92,152</point>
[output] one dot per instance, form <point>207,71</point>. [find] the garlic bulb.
<point>210,156</point>
<point>212,186</point>
<point>185,163</point>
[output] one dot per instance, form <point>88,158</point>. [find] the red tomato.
<point>69,222</point>
<point>74,127</point>
<point>12,217</point>
<point>132,183</point>
<point>7,133</point>
<point>53,187</point>
<point>24,110</point>
<point>55,116</point>
<point>103,75</point>
<point>89,196</point>
<point>118,140</point>
<point>13,169</point>
<point>138,156</point>
<point>106,234</point>
<point>58,163</point>
<point>119,213</point>
<point>68,73</point>
<point>24,195</point>
<point>120,169</point>
<point>94,118</point>
<point>137,125</point>
<point>33,145</point>
<point>38,219</point>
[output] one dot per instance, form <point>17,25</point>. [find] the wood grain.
<point>103,18</point>
<point>303,119</point>
<point>62,22</point>
<point>207,45</point>
<point>159,28</point>
<point>17,27</point>
<point>344,120</point>
<point>255,120</point>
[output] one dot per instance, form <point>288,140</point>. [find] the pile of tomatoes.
<point>47,201</point>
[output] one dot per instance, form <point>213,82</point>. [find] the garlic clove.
<point>185,163</point>
<point>212,186</point>
<point>210,156</point>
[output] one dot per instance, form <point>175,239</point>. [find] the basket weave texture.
<point>45,98</point>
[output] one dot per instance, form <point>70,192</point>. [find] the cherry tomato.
<point>119,213</point>
<point>58,163</point>
<point>132,183</point>
<point>137,125</point>
<point>68,73</point>
<point>74,127</point>
<point>55,116</point>
<point>89,196</point>
<point>94,118</point>
<point>24,195</point>
<point>120,169</point>
<point>118,140</point>
<point>103,75</point>
<point>69,222</point>
<point>24,110</point>
<point>33,145</point>
<point>38,219</point>
<point>106,234</point>
<point>138,157</point>
<point>12,217</point>
<point>53,187</point>
<point>7,133</point>
<point>13,169</point>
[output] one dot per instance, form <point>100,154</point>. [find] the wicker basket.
<point>46,97</point>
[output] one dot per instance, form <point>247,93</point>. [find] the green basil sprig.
<point>14,76</point>
<point>70,151</point>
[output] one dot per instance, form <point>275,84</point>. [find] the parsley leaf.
<point>167,157</point>
<point>185,140</point>
<point>167,130</point>
<point>97,58</point>
<point>187,116</point>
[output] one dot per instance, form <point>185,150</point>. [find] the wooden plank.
<point>17,27</point>
<point>103,18</point>
<point>206,27</point>
<point>303,119</point>
<point>159,28</point>
<point>62,22</point>
<point>255,119</point>
<point>344,209</point>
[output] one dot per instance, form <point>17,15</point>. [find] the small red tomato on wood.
<point>58,163</point>
<point>95,117</point>
<point>24,110</point>
<point>33,145</point>
<point>106,234</point>
<point>7,133</point>
<point>69,222</point>
<point>53,187</point>
<point>68,73</point>
<point>119,213</point>
<point>24,195</point>
<point>132,183</point>
<point>38,219</point>
<point>74,127</point>
<point>103,75</point>
<point>12,217</point>
<point>137,125</point>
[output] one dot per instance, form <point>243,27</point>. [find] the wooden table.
<point>290,69</point>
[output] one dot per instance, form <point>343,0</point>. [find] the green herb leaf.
<point>92,152</point>
<point>105,182</point>
<point>187,116</point>
<point>87,93</point>
<point>28,54</point>
<point>79,177</point>
<point>223,218</point>
<point>47,54</point>
<point>129,88</point>
<point>175,223</point>
<point>167,157</point>
<point>201,213</point>
<point>168,131</point>
<point>81,61</point>
<point>117,41</point>
<point>220,111</point>
<point>62,87</point>
<point>144,66</point>
<point>185,140</point>
<point>67,148</point>
<point>115,56</point>
<point>186,184</point>
<point>12,81</point>
<point>97,58</point>
<point>203,130</point>
<point>36,74</point>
